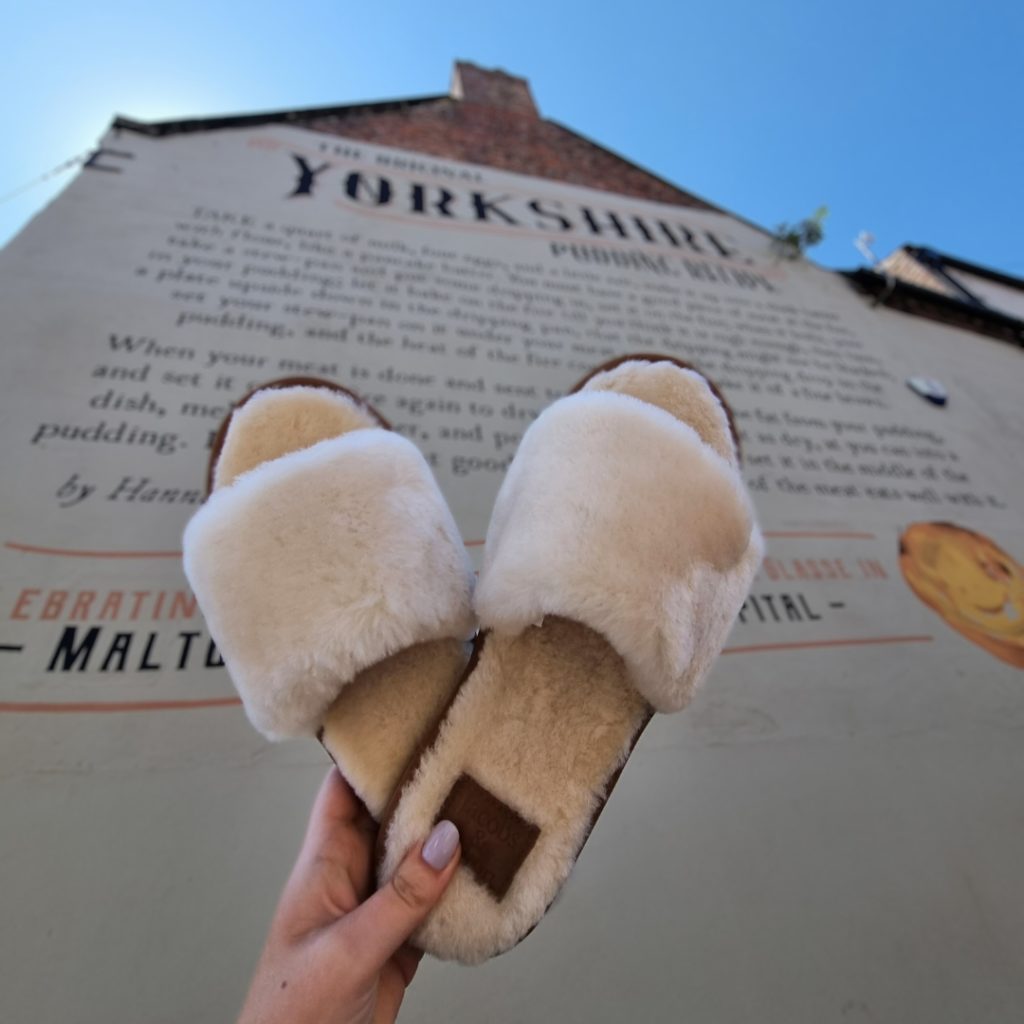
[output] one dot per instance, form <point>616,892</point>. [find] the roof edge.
<point>965,266</point>
<point>708,206</point>
<point>159,129</point>
<point>917,301</point>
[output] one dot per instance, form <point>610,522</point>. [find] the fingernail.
<point>439,848</point>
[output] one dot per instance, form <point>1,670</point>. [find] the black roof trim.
<point>910,298</point>
<point>158,129</point>
<point>940,260</point>
<point>935,263</point>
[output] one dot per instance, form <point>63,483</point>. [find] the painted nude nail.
<point>439,848</point>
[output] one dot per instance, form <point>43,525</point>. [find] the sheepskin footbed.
<point>333,579</point>
<point>621,548</point>
<point>277,421</point>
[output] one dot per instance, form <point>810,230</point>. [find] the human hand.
<point>333,956</point>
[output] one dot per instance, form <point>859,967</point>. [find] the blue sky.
<point>905,118</point>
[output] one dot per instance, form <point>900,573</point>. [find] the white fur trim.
<point>615,513</point>
<point>314,566</point>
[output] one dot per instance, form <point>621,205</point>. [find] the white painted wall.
<point>831,832</point>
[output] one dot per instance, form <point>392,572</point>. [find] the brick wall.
<point>490,118</point>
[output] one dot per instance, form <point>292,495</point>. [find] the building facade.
<point>831,830</point>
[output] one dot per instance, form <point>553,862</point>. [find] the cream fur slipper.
<point>621,546</point>
<point>332,577</point>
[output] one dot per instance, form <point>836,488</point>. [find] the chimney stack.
<point>492,88</point>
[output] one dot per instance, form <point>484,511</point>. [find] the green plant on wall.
<point>791,241</point>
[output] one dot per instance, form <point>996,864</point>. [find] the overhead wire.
<point>59,169</point>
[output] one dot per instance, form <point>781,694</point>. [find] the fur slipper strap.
<point>614,513</point>
<point>314,566</point>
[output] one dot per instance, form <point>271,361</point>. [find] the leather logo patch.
<point>495,838</point>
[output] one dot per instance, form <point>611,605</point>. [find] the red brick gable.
<point>490,118</point>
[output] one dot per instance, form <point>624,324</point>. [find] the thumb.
<point>375,930</point>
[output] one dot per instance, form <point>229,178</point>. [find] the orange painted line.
<point>851,642</point>
<point>36,707</point>
<point>823,534</point>
<point>32,549</point>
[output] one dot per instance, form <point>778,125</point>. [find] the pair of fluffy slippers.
<point>334,581</point>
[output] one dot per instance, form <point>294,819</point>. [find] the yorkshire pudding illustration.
<point>971,582</point>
